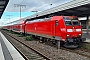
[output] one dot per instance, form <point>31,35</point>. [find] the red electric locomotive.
<point>67,29</point>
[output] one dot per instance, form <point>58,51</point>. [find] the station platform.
<point>7,50</point>
<point>87,36</point>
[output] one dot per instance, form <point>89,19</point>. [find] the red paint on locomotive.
<point>56,26</point>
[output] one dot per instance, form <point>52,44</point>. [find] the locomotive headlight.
<point>73,27</point>
<point>80,34</point>
<point>68,35</point>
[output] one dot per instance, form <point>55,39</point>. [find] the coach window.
<point>56,22</point>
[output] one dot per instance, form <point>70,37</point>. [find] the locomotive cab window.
<point>73,21</point>
<point>56,22</point>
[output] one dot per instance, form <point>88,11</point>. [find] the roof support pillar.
<point>58,45</point>
<point>87,25</point>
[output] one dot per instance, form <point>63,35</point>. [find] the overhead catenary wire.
<point>19,3</point>
<point>22,1</point>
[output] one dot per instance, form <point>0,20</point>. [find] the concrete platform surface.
<point>87,36</point>
<point>1,53</point>
<point>7,51</point>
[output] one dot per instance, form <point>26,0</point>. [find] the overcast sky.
<point>31,5</point>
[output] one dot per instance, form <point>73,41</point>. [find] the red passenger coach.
<point>67,29</point>
<point>19,26</point>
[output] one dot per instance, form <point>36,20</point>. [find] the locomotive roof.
<point>39,20</point>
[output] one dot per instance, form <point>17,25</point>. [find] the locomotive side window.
<point>56,22</point>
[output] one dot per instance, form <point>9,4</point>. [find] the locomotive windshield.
<point>68,23</point>
<point>73,21</point>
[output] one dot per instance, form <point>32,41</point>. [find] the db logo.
<point>63,29</point>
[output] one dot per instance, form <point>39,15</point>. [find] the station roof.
<point>80,8</point>
<point>3,4</point>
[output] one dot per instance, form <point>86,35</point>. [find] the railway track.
<point>31,54</point>
<point>79,51</point>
